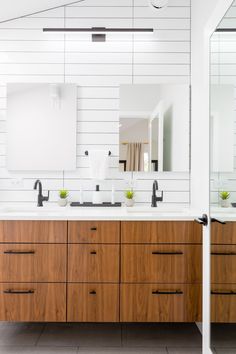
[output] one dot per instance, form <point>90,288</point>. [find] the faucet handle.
<point>47,198</point>
<point>160,198</point>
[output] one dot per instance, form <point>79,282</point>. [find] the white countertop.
<point>48,212</point>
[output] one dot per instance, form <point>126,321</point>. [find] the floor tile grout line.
<point>40,335</point>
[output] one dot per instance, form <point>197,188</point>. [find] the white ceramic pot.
<point>224,203</point>
<point>62,202</point>
<point>129,202</point>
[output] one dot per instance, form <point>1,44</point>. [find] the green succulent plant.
<point>63,193</point>
<point>224,195</point>
<point>129,194</point>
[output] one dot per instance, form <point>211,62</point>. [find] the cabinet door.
<point>33,231</point>
<point>223,234</point>
<point>160,232</point>
<point>93,263</point>
<point>160,303</point>
<point>94,232</point>
<point>223,303</point>
<point>93,303</point>
<point>33,263</point>
<point>31,302</point>
<point>223,264</point>
<point>160,263</point>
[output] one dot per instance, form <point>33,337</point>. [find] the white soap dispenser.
<point>97,196</point>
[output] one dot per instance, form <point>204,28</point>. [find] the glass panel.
<point>223,187</point>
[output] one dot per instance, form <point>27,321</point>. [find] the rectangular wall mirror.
<point>41,126</point>
<point>154,128</point>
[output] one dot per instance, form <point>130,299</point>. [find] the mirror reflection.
<point>154,128</point>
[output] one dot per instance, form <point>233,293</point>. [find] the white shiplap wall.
<point>223,71</point>
<point>29,55</point>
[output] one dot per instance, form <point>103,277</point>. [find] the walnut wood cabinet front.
<point>100,271</point>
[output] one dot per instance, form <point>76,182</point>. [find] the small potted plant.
<point>224,199</point>
<point>63,194</point>
<point>129,198</point>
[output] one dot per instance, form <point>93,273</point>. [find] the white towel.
<point>98,162</point>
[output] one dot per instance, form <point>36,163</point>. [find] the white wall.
<point>28,55</point>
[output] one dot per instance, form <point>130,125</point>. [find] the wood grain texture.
<point>46,304</point>
<point>160,232</point>
<point>93,263</point>
<point>94,232</point>
<point>142,303</point>
<point>46,264</point>
<point>93,303</point>
<point>33,231</point>
<point>223,234</point>
<point>161,264</point>
<point>223,306</point>
<point>223,264</point>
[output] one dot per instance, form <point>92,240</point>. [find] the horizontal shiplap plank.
<point>31,58</point>
<point>98,116</point>
<point>162,58</point>
<point>98,69</point>
<point>99,58</point>
<point>106,12</point>
<point>155,47</point>
<point>31,46</point>
<point>101,127</point>
<point>99,139</point>
<point>96,92</point>
<point>31,69</point>
<point>161,70</point>
<point>98,104</point>
<point>167,12</point>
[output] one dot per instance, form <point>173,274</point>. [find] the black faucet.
<point>156,199</point>
<point>41,198</point>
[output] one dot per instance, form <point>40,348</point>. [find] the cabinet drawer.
<point>223,264</point>
<point>32,263</point>
<point>33,231</point>
<point>160,232</point>
<point>31,302</point>
<point>93,303</point>
<point>160,263</point>
<point>160,303</point>
<point>93,263</point>
<point>223,234</point>
<point>223,303</point>
<point>94,232</point>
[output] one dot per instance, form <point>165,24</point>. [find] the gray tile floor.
<point>109,338</point>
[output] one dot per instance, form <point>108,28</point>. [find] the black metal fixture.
<point>87,153</point>
<point>98,33</point>
<point>156,199</point>
<point>225,30</point>
<point>41,198</point>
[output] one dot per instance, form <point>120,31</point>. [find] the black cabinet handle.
<point>167,253</point>
<point>167,292</point>
<point>18,252</point>
<point>217,220</point>
<point>93,252</point>
<point>93,229</point>
<point>93,292</point>
<point>223,292</point>
<point>223,253</point>
<point>15,292</point>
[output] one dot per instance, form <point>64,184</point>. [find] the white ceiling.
<point>11,9</point>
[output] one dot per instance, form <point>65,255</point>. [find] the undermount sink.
<point>31,210</point>
<point>224,210</point>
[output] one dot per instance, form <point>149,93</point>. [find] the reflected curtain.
<point>135,157</point>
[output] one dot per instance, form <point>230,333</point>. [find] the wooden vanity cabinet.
<point>100,271</point>
<point>223,272</point>
<point>33,258</point>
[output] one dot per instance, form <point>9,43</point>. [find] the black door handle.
<point>217,220</point>
<point>202,220</point>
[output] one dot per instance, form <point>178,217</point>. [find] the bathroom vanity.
<point>100,271</point>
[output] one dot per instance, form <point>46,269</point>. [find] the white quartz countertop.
<point>95,213</point>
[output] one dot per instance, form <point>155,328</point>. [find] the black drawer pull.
<point>15,292</point>
<point>93,292</point>
<point>18,252</point>
<point>93,229</point>
<point>167,292</point>
<point>167,253</point>
<point>223,292</point>
<point>93,252</point>
<point>223,253</point>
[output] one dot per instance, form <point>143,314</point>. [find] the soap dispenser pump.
<point>97,195</point>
